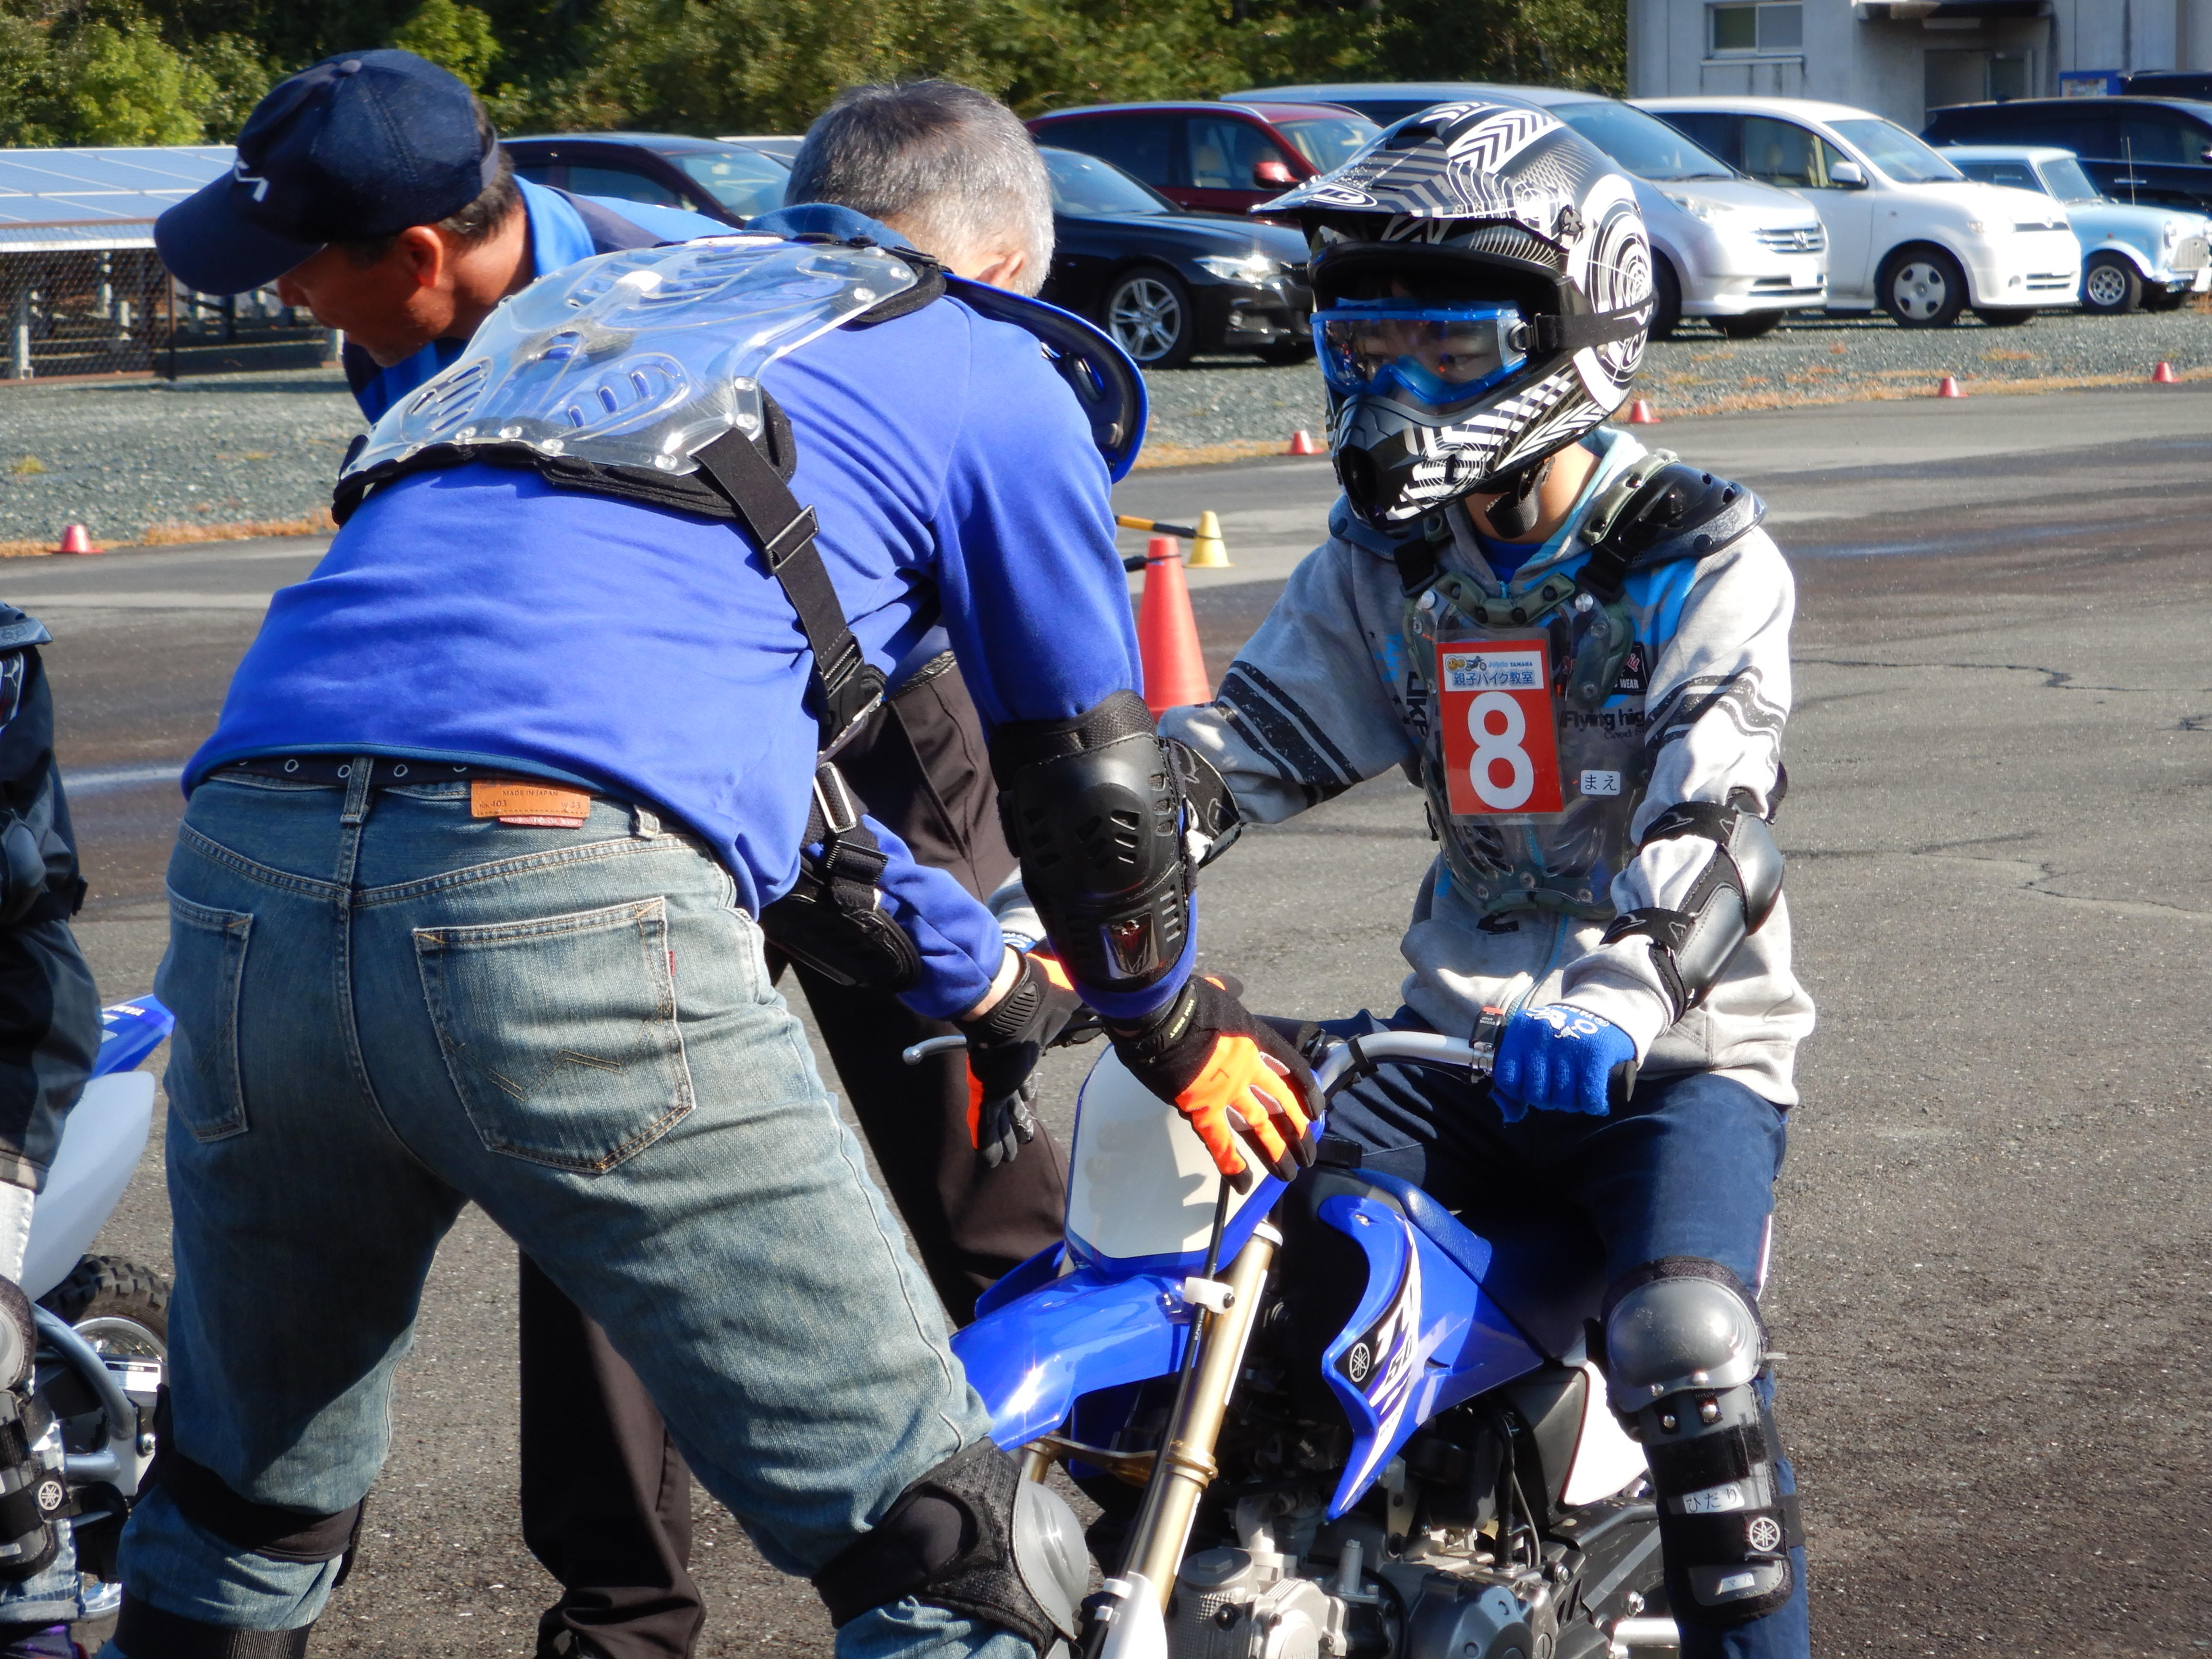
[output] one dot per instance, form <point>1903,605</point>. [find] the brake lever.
<point>1083,1027</point>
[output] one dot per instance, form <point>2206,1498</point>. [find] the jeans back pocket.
<point>560,1034</point>
<point>198,982</point>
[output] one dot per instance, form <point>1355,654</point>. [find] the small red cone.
<point>1948,388</point>
<point>1639,413</point>
<point>1166,633</point>
<point>2163,374</point>
<point>1302,443</point>
<point>73,540</point>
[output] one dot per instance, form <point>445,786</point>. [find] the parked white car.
<point>1739,254</point>
<point>1908,232</point>
<point>2149,256</point>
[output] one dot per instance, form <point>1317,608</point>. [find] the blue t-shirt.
<point>558,239</point>
<point>478,614</point>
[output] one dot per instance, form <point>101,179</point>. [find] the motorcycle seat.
<point>1546,1271</point>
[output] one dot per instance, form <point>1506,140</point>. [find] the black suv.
<point>2156,151</point>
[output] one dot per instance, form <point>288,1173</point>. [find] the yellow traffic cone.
<point>1206,552</point>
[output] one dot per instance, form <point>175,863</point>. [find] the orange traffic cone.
<point>73,540</point>
<point>1166,633</point>
<point>1302,443</point>
<point>1948,388</point>
<point>1639,413</point>
<point>2163,374</point>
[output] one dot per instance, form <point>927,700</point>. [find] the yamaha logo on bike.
<point>52,1495</point>
<point>1358,1363</point>
<point>1764,1534</point>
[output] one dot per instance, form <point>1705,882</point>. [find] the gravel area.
<point>126,456</point>
<point>131,460</point>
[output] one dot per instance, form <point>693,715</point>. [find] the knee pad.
<point>974,1538</point>
<point>1685,1353</point>
<point>34,1495</point>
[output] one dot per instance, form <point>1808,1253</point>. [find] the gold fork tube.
<point>1185,1466</point>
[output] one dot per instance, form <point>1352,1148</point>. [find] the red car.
<point>1219,158</point>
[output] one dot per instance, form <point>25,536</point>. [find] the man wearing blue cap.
<point>605,1500</point>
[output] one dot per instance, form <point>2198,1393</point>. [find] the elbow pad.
<point>1110,821</point>
<point>1727,902</point>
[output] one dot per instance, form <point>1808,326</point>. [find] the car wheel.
<point>1148,312</point>
<point>2110,286</point>
<point>1922,287</point>
<point>1666,299</point>
<point>1748,327</point>
<point>2004,316</point>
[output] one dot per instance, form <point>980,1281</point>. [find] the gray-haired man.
<point>606,1499</point>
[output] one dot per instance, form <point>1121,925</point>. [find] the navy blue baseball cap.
<point>357,147</point>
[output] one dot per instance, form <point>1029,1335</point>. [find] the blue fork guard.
<point>1033,1356</point>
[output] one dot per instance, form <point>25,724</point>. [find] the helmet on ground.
<point>1482,288</point>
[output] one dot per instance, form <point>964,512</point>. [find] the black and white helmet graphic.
<point>1487,201</point>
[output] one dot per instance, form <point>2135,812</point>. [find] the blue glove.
<point>1558,1058</point>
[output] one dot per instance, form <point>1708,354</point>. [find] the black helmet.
<point>1482,288</point>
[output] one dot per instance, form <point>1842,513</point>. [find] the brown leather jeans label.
<point>545,805</point>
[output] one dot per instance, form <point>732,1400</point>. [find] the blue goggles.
<point>1436,356</point>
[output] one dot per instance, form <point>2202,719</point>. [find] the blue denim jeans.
<point>387,1008</point>
<point>1686,1169</point>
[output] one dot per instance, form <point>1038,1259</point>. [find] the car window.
<point>1137,144</point>
<point>2066,180</point>
<point>1226,154</point>
<point>2155,137</point>
<point>1389,112</point>
<point>537,173</point>
<point>1330,141</point>
<point>1895,151</point>
<point>743,181</point>
<point>1083,184</point>
<point>622,187</point>
<point>1646,146</point>
<point>2018,174</point>
<point>1717,134</point>
<point>1782,153</point>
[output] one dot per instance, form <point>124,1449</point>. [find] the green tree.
<point>125,86</point>
<point>237,74</point>
<point>455,36</point>
<point>23,54</point>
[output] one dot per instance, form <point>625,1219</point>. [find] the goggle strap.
<point>1554,332</point>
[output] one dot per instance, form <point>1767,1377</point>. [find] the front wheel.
<point>1749,326</point>
<point>2004,316</point>
<point>121,1308</point>
<point>1148,312</point>
<point>1922,287</point>
<point>1666,299</point>
<point>2110,285</point>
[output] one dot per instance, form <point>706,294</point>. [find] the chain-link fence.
<point>117,311</point>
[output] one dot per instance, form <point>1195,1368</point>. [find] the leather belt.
<point>336,770</point>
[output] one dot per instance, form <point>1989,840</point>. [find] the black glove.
<point>1004,1047</point>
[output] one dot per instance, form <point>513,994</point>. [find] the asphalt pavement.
<point>1993,1255</point>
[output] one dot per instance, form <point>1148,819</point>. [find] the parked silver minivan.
<point>1739,254</point>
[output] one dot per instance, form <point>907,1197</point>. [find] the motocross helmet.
<point>1482,288</point>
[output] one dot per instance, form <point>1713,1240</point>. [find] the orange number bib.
<point>1501,748</point>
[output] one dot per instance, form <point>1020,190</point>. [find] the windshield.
<point>1897,152</point>
<point>745,181</point>
<point>2066,180</point>
<point>1083,184</point>
<point>1645,145</point>
<point>1330,142</point>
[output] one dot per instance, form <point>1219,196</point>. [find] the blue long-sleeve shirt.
<point>481,615</point>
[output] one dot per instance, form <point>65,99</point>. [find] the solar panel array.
<point>60,200</point>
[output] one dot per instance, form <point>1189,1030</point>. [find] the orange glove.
<point>1232,1077</point>
<point>1004,1047</point>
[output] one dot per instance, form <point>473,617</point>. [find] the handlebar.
<point>1350,1058</point>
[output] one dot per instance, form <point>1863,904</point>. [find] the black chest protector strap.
<point>848,688</point>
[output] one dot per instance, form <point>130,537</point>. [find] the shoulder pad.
<point>18,630</point>
<point>1662,510</point>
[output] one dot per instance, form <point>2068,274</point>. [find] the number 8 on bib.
<point>1494,713</point>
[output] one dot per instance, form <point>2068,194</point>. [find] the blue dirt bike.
<point>1374,1433</point>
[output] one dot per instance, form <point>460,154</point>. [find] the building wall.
<point>1876,62</point>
